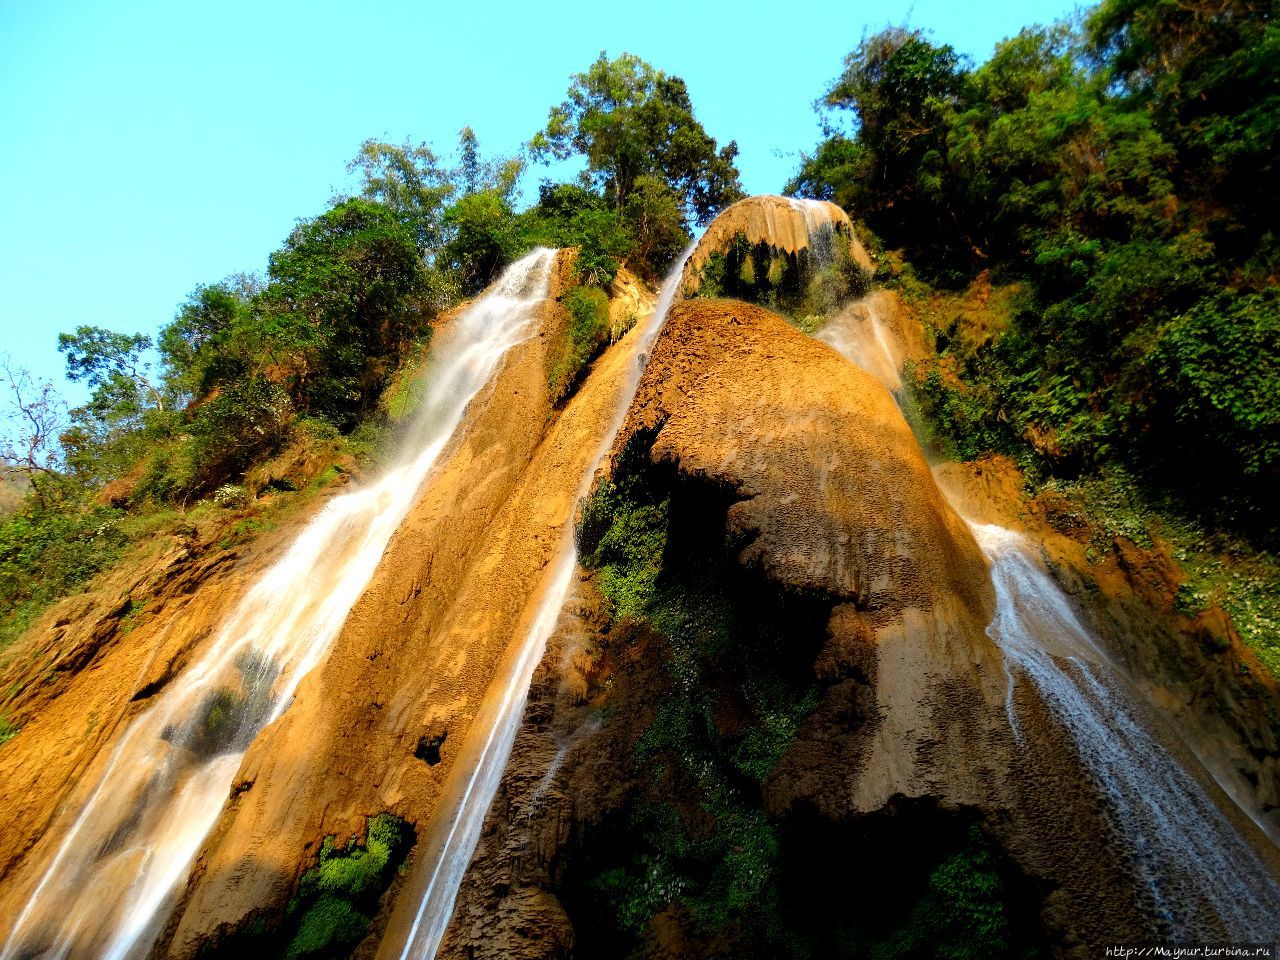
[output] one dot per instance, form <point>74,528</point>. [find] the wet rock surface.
<point>825,500</point>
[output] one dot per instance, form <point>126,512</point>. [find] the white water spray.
<point>1186,853</point>
<point>111,884</point>
<point>820,225</point>
<point>861,333</point>
<point>453,855</point>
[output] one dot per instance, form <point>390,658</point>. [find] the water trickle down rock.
<point>798,232</point>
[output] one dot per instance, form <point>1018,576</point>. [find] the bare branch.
<point>34,418</point>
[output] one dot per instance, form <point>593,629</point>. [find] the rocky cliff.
<point>797,681</point>
<point>774,717</point>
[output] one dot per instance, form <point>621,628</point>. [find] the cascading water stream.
<point>458,845</point>
<point>860,333</point>
<point>112,881</point>
<point>819,225</point>
<point>1186,853</point>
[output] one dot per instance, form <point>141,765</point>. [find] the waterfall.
<point>450,855</point>
<point>112,882</point>
<point>860,332</point>
<point>819,225</point>
<point>1186,852</point>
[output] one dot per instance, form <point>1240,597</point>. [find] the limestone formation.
<point>783,224</point>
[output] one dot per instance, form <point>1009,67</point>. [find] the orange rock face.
<point>786,224</point>
<point>834,496</point>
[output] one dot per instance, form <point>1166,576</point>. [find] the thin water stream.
<point>450,854</point>
<point>113,880</point>
<point>1186,853</point>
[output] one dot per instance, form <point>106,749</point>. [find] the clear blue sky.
<point>147,147</point>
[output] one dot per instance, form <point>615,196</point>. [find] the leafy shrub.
<point>486,237</point>
<point>334,899</point>
<point>1219,373</point>
<point>242,424</point>
<point>622,533</point>
<point>587,333</point>
<point>330,928</point>
<point>956,419</point>
<point>964,914</point>
<point>47,554</point>
<point>569,215</point>
<point>801,286</point>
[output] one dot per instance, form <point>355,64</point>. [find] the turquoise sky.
<point>148,147</point>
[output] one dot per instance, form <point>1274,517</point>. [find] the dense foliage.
<point>335,902</point>
<point>1123,174</point>
<point>802,286</point>
<point>635,127</point>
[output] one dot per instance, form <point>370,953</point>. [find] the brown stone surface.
<point>835,496</point>
<point>418,652</point>
<point>777,221</point>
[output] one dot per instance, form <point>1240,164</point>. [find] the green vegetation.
<point>46,554</point>
<point>964,915</point>
<point>1116,172</point>
<point>331,911</point>
<point>588,333</point>
<point>1223,568</point>
<point>713,851</point>
<point>635,127</point>
<point>8,729</point>
<point>335,901</point>
<point>803,287</point>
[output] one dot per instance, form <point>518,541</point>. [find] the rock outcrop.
<point>878,594</point>
<point>783,226</point>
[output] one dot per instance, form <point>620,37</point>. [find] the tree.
<point>195,346</point>
<point>1208,73</point>
<point>573,215</point>
<point>475,174</point>
<point>834,171</point>
<point>410,181</point>
<point>630,121</point>
<point>35,417</point>
<point>653,213</point>
<point>114,366</point>
<point>483,239</point>
<point>347,293</point>
<point>901,89</point>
